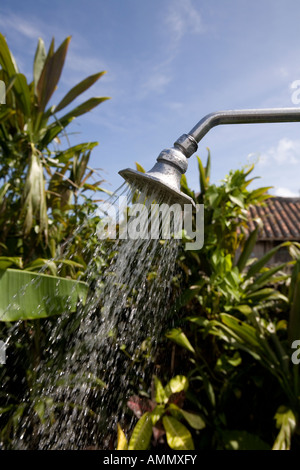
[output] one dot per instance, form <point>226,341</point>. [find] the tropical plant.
<point>45,195</point>
<point>234,306</point>
<point>160,418</point>
<point>232,332</point>
<point>41,182</point>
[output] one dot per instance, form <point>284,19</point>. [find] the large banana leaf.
<point>27,296</point>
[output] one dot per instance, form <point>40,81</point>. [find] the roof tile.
<point>280,217</point>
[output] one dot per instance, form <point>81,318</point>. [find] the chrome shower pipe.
<point>188,143</point>
<point>172,163</point>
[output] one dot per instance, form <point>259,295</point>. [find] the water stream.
<point>102,354</point>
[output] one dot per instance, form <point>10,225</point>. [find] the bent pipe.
<point>172,162</point>
<point>188,142</point>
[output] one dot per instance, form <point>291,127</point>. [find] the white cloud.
<point>175,105</point>
<point>182,18</point>
<point>156,83</point>
<point>19,25</point>
<point>287,151</point>
<point>285,192</point>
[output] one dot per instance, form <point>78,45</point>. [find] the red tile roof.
<point>280,216</point>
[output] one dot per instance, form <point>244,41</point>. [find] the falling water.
<point>100,355</point>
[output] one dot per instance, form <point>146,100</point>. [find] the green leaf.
<point>179,337</point>
<point>66,155</point>
<point>6,409</point>
<point>178,436</point>
<point>202,176</point>
<point>194,420</point>
<point>7,60</point>
<point>242,440</point>
<point>236,201</point>
<point>139,167</point>
<point>208,166</point>
<point>246,333</point>
<point>51,72</point>
<point>294,316</point>
<point>265,278</point>
<point>256,267</point>
<point>257,193</point>
<point>23,94</point>
<point>18,414</point>
<point>247,250</point>
<point>25,295</point>
<point>185,188</point>
<point>265,294</point>
<point>83,108</point>
<point>34,206</point>
<point>39,408</point>
<point>141,435</point>
<point>7,261</point>
<point>157,413</point>
<point>39,263</point>
<point>53,130</point>
<point>77,90</point>
<point>3,191</point>
<point>244,309</point>
<point>177,384</point>
<point>286,422</point>
<point>6,113</point>
<point>60,124</point>
<point>39,61</point>
<point>122,443</point>
<point>160,394</point>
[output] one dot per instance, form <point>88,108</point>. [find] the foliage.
<point>41,182</point>
<point>235,323</point>
<point>232,331</point>
<point>27,296</point>
<point>161,418</point>
<point>235,326</point>
<point>45,195</point>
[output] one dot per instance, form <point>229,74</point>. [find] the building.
<point>281,222</point>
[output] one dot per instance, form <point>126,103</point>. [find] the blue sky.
<point>169,63</point>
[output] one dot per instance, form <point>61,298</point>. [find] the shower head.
<point>164,178</point>
<point>156,185</point>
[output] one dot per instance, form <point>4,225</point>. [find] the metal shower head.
<point>160,187</point>
<point>164,178</point>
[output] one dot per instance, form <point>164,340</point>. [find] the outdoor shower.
<point>171,163</point>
